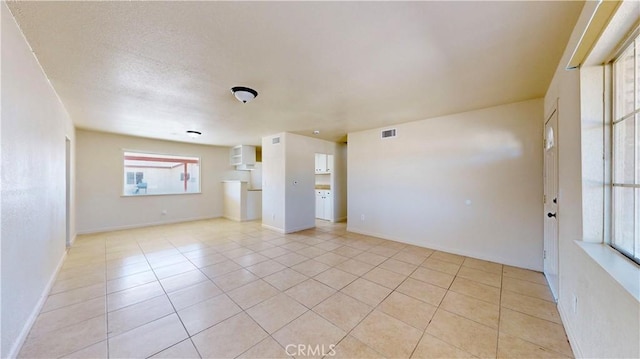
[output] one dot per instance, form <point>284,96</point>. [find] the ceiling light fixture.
<point>194,134</point>
<point>244,94</point>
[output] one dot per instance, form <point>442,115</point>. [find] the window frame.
<point>125,170</point>
<point>631,43</point>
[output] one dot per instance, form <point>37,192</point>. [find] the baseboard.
<point>443,249</point>
<point>568,328</point>
<point>280,230</point>
<point>341,219</point>
<point>271,228</point>
<point>236,219</point>
<point>143,225</point>
<point>73,240</point>
<point>298,229</point>
<point>17,345</point>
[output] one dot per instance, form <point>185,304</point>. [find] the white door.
<point>551,215</point>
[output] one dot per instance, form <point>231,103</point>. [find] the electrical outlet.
<point>164,212</point>
<point>362,217</point>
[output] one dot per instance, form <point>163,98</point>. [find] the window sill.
<point>619,267</point>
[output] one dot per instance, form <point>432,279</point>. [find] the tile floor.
<point>220,289</point>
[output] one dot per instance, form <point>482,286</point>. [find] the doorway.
<point>550,254</point>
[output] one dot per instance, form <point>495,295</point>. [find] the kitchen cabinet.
<point>329,163</point>
<point>324,163</point>
<point>243,157</point>
<point>324,204</point>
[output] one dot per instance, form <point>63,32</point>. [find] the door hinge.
<point>544,254</point>
<point>544,199</point>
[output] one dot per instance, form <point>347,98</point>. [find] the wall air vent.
<point>275,140</point>
<point>389,133</point>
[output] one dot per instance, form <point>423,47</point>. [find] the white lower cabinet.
<point>324,204</point>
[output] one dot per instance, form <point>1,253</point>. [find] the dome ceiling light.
<point>244,94</point>
<point>194,134</point>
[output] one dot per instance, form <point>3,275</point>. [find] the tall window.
<point>147,174</point>
<point>626,152</point>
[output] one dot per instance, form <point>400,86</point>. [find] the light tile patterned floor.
<point>221,289</point>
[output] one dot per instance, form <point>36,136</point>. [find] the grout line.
<point>499,311</point>
<point>175,311</point>
<point>106,301</point>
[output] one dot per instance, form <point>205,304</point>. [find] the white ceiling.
<point>157,69</point>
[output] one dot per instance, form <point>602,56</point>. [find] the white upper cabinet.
<point>324,163</point>
<point>243,157</point>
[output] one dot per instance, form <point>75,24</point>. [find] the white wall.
<point>255,176</point>
<point>300,209</point>
<point>34,126</point>
<point>339,185</point>
<point>469,183</point>
<point>324,179</point>
<point>102,207</point>
<point>288,177</point>
<point>273,182</point>
<point>605,323</point>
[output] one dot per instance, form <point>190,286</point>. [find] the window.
<point>149,174</point>
<point>625,236</point>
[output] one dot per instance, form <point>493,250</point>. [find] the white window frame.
<point>617,119</point>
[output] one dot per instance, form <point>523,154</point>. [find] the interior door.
<point>551,216</point>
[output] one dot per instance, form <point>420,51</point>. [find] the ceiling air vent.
<point>389,133</point>
<point>275,140</point>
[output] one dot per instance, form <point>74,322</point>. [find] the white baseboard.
<point>443,249</point>
<point>142,225</point>
<point>73,240</point>
<point>568,328</point>
<point>236,219</point>
<point>298,229</point>
<point>17,345</point>
<point>280,230</point>
<point>272,228</point>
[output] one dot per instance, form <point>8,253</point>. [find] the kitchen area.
<point>287,180</point>
<point>324,164</point>
<point>243,198</point>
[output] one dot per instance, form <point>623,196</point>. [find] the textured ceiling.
<point>157,69</point>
